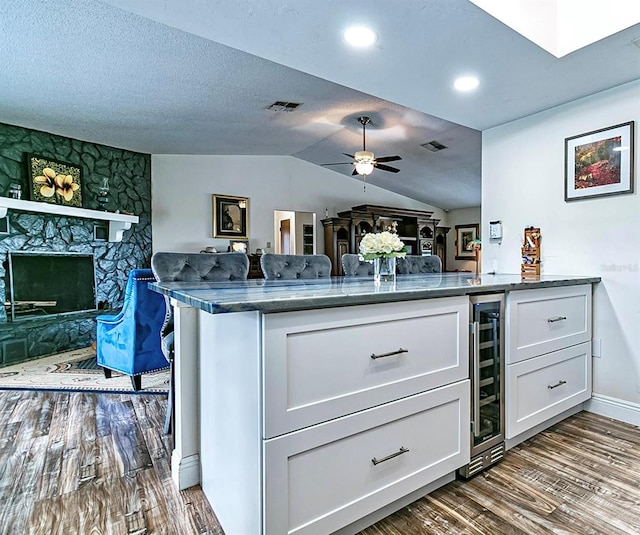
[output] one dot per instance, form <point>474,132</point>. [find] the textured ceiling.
<point>194,77</point>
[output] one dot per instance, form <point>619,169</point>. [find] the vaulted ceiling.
<point>196,77</point>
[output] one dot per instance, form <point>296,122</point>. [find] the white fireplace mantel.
<point>118,223</point>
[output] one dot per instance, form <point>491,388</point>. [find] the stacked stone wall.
<point>129,176</point>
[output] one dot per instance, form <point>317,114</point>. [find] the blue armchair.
<point>130,341</point>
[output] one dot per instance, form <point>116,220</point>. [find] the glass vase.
<point>384,270</point>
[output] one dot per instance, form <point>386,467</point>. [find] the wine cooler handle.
<point>476,378</point>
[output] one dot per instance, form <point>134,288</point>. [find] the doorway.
<point>295,232</point>
<point>285,236</point>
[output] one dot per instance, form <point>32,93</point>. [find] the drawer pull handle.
<point>559,383</point>
<point>391,354</point>
<point>559,318</point>
<point>399,452</point>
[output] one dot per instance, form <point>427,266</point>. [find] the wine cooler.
<point>486,367</point>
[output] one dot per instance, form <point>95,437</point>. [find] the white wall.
<point>461,216</point>
<point>523,185</point>
<point>182,186</point>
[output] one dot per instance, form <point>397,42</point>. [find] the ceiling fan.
<point>364,161</point>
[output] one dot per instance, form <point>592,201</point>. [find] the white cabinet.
<point>296,405</point>
<point>547,319</point>
<point>324,364</point>
<point>548,354</point>
<point>320,479</point>
<point>542,387</point>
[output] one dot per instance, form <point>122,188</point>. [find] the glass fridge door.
<point>487,372</point>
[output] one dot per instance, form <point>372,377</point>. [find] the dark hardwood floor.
<point>78,463</point>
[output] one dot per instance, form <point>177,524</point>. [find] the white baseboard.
<point>185,472</point>
<point>618,409</point>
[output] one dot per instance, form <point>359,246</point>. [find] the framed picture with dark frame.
<point>465,234</point>
<point>599,163</point>
<point>54,182</point>
<point>230,217</point>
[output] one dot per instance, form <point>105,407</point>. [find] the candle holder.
<point>103,194</point>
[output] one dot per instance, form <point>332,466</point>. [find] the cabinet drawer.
<point>546,320</point>
<point>542,387</point>
<point>323,478</point>
<point>319,365</point>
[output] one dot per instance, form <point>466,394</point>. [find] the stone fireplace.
<point>129,175</point>
<point>45,284</point>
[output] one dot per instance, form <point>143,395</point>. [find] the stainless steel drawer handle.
<point>559,318</point>
<point>559,383</point>
<point>381,355</point>
<point>399,452</point>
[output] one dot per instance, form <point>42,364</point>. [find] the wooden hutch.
<point>416,228</point>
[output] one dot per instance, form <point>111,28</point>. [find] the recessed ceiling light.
<point>360,36</point>
<point>466,83</point>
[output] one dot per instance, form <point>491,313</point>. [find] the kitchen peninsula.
<point>320,406</point>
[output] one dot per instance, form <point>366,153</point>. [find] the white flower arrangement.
<point>382,245</point>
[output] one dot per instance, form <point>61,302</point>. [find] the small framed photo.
<point>239,246</point>
<point>230,217</point>
<point>599,163</point>
<point>54,182</point>
<point>465,234</point>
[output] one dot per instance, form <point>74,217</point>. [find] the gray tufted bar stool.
<point>352,266</point>
<point>289,266</point>
<point>413,265</point>
<point>191,267</point>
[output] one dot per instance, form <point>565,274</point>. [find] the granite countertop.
<point>290,295</point>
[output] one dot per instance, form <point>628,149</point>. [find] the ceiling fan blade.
<point>355,172</point>
<point>388,159</point>
<point>349,155</point>
<point>337,163</point>
<point>387,168</point>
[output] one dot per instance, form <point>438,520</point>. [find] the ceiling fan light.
<point>364,168</point>
<point>364,156</point>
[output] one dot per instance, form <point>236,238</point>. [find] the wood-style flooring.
<point>80,463</point>
<point>76,463</point>
<point>580,477</point>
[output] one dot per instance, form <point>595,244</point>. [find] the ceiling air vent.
<point>433,146</point>
<point>280,105</point>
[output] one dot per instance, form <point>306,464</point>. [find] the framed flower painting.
<point>54,182</point>
<point>599,163</point>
